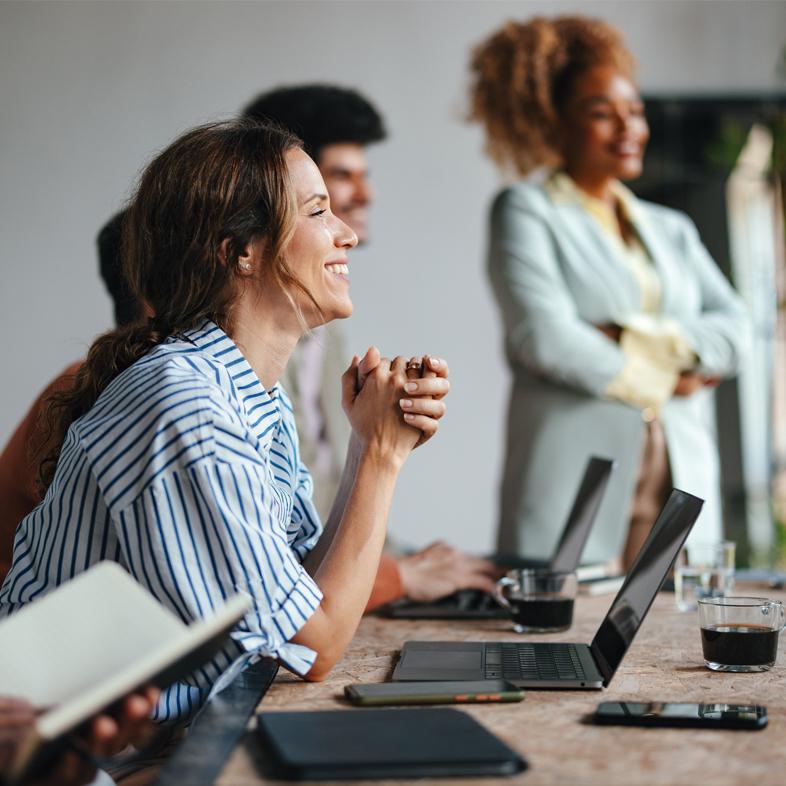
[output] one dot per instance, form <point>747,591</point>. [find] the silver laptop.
<point>476,604</point>
<point>562,665</point>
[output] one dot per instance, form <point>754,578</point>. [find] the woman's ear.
<point>247,262</point>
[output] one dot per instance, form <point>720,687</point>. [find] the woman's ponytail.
<point>110,355</point>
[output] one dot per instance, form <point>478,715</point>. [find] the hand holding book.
<point>16,719</point>
<point>85,649</point>
<point>107,735</point>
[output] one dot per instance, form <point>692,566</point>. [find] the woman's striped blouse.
<point>186,471</point>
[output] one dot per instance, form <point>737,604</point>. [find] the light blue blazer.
<point>556,274</point>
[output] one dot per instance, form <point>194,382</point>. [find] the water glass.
<point>703,570</point>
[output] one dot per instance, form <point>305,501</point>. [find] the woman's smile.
<point>317,251</point>
<point>339,268</point>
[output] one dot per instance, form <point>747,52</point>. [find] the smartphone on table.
<point>389,693</point>
<point>699,716</point>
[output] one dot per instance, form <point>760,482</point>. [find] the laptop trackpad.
<point>442,660</point>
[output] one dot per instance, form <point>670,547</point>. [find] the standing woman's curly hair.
<point>198,205</point>
<point>521,76</point>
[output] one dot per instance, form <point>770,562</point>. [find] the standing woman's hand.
<point>611,331</point>
<point>690,382</point>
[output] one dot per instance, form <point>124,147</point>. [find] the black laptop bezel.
<point>592,491</point>
<point>688,505</point>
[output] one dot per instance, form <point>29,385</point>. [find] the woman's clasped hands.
<point>394,405</point>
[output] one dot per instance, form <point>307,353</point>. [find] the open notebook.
<point>92,640</point>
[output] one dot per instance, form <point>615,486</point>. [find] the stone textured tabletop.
<point>664,664</point>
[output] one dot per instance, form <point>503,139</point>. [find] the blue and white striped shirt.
<point>186,471</point>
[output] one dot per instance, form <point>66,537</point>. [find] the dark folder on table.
<point>383,743</point>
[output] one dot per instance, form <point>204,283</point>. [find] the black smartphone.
<point>382,693</point>
<point>702,716</point>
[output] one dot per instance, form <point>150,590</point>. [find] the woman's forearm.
<point>348,567</point>
<point>314,559</point>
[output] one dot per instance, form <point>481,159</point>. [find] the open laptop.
<point>476,604</point>
<point>563,665</point>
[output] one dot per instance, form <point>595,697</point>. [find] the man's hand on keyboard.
<point>440,570</point>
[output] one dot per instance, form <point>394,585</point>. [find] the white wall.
<point>88,91</point>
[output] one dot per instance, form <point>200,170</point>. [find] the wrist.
<point>384,462</point>
<point>407,571</point>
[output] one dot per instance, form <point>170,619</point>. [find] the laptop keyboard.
<point>513,661</point>
<point>474,600</point>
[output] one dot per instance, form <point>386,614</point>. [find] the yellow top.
<point>655,349</point>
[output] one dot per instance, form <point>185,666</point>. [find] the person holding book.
<point>175,453</point>
<point>617,322</point>
<point>107,735</point>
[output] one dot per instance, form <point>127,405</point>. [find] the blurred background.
<point>90,90</point>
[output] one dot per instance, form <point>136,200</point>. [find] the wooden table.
<point>664,663</point>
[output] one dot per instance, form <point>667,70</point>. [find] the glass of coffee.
<point>538,600</point>
<point>740,634</point>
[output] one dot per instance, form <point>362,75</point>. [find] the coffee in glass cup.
<point>740,634</point>
<point>539,600</point>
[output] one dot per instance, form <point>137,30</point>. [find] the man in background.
<point>336,125</point>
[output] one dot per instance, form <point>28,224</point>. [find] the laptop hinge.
<point>602,664</point>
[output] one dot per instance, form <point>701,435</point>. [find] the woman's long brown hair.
<point>223,183</point>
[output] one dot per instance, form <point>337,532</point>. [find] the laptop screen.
<point>643,581</point>
<point>582,514</point>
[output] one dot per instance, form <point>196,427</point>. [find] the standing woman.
<point>617,321</point>
<point>176,453</point>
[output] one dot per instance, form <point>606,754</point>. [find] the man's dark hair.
<point>109,262</point>
<point>320,115</point>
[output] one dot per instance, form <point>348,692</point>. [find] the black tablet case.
<point>383,743</point>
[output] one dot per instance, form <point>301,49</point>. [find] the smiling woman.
<point>176,451</point>
<point>617,322</point>
<point>320,242</point>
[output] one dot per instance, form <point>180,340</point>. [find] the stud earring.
<point>246,266</point>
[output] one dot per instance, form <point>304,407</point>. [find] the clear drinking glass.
<point>703,570</point>
<point>538,600</point>
<point>740,634</point>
